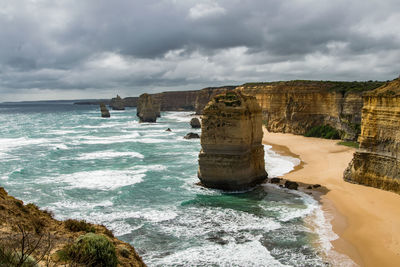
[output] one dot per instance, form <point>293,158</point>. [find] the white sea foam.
<point>178,116</point>
<point>108,154</point>
<point>7,144</point>
<point>251,253</point>
<point>102,179</point>
<point>278,165</point>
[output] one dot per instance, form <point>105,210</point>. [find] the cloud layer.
<point>97,48</point>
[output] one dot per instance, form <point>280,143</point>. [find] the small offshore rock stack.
<point>104,111</point>
<point>377,162</point>
<point>147,111</point>
<point>232,156</point>
<point>195,123</point>
<point>117,103</point>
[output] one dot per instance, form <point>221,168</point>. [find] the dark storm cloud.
<point>166,44</point>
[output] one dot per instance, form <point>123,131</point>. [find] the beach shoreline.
<point>364,218</point>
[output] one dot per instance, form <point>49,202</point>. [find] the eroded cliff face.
<point>232,156</point>
<point>205,95</point>
<point>104,111</point>
<point>377,163</point>
<point>296,106</point>
<point>147,110</point>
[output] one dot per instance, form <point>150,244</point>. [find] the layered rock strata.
<point>377,162</point>
<point>297,106</point>
<point>232,156</point>
<point>205,95</point>
<point>117,103</point>
<point>104,111</point>
<point>147,110</point>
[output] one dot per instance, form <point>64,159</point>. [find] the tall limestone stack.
<point>232,156</point>
<point>117,103</point>
<point>377,162</point>
<point>147,111</point>
<point>104,111</point>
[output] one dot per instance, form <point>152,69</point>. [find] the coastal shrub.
<point>349,144</point>
<point>78,226</point>
<point>323,131</point>
<point>91,250</point>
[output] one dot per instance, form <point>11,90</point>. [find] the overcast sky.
<point>68,49</point>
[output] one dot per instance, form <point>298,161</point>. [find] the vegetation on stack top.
<point>323,131</point>
<point>349,144</point>
<point>229,99</point>
<point>336,86</point>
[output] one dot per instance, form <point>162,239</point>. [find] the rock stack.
<point>104,111</point>
<point>147,111</point>
<point>377,162</point>
<point>117,103</point>
<point>195,123</point>
<point>232,156</point>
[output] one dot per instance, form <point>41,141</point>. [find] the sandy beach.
<point>366,219</point>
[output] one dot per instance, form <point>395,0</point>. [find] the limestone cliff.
<point>104,111</point>
<point>205,95</point>
<point>232,156</point>
<point>377,162</point>
<point>117,103</point>
<point>147,110</point>
<point>297,106</point>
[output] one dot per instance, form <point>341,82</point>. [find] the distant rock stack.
<point>117,103</point>
<point>195,123</point>
<point>232,156</point>
<point>147,111</point>
<point>377,162</point>
<point>104,111</point>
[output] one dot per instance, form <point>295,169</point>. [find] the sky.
<point>75,49</point>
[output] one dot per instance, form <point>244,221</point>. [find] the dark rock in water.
<point>147,111</point>
<point>195,123</point>
<point>280,185</point>
<point>309,187</point>
<point>117,103</point>
<point>191,136</point>
<point>168,130</point>
<point>316,185</point>
<point>275,180</point>
<point>291,185</point>
<point>104,111</point>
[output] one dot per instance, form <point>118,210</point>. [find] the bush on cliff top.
<point>323,131</point>
<point>91,250</point>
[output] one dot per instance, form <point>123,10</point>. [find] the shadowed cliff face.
<point>232,156</point>
<point>117,103</point>
<point>296,106</point>
<point>377,163</point>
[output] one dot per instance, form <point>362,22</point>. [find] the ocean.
<point>140,181</point>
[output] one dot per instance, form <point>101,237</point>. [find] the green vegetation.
<point>336,86</point>
<point>90,250</point>
<point>349,144</point>
<point>345,87</point>
<point>78,226</point>
<point>323,131</point>
<point>229,99</point>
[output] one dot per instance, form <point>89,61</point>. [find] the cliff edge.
<point>377,162</point>
<point>32,236</point>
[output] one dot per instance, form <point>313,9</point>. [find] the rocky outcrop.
<point>297,106</point>
<point>45,236</point>
<point>377,162</point>
<point>195,123</point>
<point>232,156</point>
<point>191,136</point>
<point>104,111</point>
<point>147,111</point>
<point>117,103</point>
<point>205,95</point>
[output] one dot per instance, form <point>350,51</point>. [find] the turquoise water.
<point>139,180</point>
